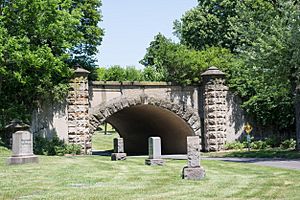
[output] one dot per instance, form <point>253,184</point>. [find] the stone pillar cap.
<point>81,71</point>
<point>16,125</point>
<point>213,71</point>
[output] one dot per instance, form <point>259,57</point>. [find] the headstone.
<point>22,144</point>
<point>193,171</point>
<point>118,150</point>
<point>154,150</point>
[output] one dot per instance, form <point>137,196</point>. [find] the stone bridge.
<point>138,110</point>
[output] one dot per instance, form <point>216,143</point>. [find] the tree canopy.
<point>256,42</point>
<point>39,41</point>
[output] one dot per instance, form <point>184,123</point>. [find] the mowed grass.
<point>104,142</point>
<point>96,177</point>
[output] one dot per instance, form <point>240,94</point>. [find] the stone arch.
<point>186,118</point>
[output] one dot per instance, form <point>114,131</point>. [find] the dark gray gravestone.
<point>118,150</point>
<point>22,144</point>
<point>193,171</point>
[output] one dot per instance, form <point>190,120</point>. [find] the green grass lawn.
<point>96,177</point>
<point>103,142</point>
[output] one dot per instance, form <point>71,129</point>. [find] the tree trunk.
<point>297,110</point>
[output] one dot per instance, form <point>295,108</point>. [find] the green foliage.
<point>133,74</point>
<point>235,145</point>
<point>100,73</point>
<point>130,73</point>
<point>181,64</point>
<point>263,144</point>
<point>264,37</point>
<point>53,146</point>
<point>265,79</point>
<point>209,24</point>
<point>260,144</point>
<point>115,73</point>
<point>273,141</point>
<point>39,41</point>
<point>288,144</point>
<point>150,73</point>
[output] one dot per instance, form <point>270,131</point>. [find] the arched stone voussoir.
<point>99,114</point>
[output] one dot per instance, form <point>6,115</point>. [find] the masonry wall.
<point>53,118</point>
<point>105,91</point>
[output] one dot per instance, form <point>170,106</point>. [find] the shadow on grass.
<point>270,153</point>
<point>102,153</point>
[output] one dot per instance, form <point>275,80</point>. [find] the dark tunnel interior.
<point>137,123</point>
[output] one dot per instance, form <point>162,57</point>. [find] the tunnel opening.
<point>137,123</point>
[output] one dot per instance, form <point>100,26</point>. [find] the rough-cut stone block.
<point>196,125</point>
<point>188,114</point>
<point>193,151</point>
<point>118,156</point>
<point>154,162</point>
<point>193,119</point>
<point>118,145</point>
<point>22,160</point>
<point>193,173</point>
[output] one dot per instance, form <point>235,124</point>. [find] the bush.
<point>234,145</point>
<point>288,144</point>
<point>54,146</point>
<point>273,141</point>
<point>259,145</point>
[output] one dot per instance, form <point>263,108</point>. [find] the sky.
<point>130,26</point>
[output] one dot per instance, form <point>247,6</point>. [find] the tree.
<point>38,41</point>
<point>181,64</point>
<point>216,22</point>
<point>266,80</point>
<point>263,37</point>
<point>209,24</point>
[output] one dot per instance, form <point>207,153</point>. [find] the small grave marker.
<point>193,171</point>
<point>118,150</point>
<point>154,145</point>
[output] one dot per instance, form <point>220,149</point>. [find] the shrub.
<point>259,145</point>
<point>53,146</point>
<point>288,144</point>
<point>273,141</point>
<point>234,145</point>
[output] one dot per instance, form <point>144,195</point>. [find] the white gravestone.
<point>154,150</point>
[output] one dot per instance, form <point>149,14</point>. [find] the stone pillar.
<point>193,171</point>
<point>118,150</point>
<point>215,109</point>
<point>78,111</point>
<point>154,148</point>
<point>22,144</point>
